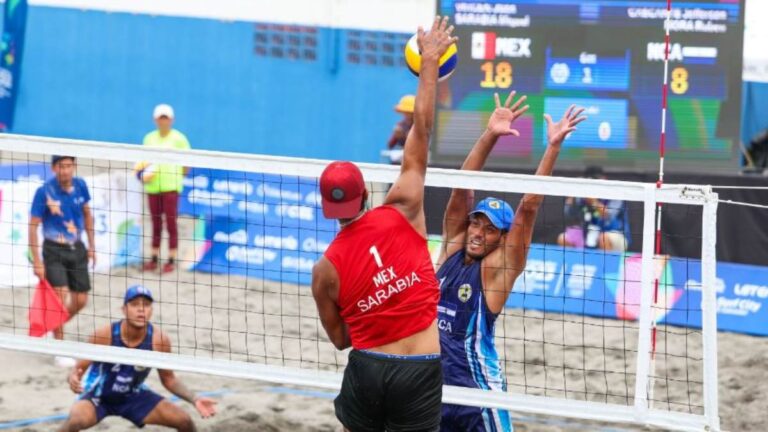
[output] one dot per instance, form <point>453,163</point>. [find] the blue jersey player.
<point>484,251</point>
<point>119,390</point>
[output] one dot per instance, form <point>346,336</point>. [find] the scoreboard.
<point>607,56</point>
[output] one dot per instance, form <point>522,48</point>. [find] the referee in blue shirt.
<point>61,204</point>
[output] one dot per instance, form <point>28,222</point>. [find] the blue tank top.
<point>112,382</point>
<point>467,327</point>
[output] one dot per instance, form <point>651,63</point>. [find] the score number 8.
<point>679,83</point>
<point>498,76</point>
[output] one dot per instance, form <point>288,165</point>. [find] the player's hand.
<point>92,256</point>
<point>205,406</point>
<point>504,115</point>
<point>435,43</point>
<point>74,381</point>
<point>39,270</point>
<point>557,132</point>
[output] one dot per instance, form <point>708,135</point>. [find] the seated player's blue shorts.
<point>461,418</point>
<point>134,407</point>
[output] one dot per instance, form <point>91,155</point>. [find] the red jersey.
<point>388,289</point>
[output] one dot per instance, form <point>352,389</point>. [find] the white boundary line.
<point>487,181</point>
<point>332,381</point>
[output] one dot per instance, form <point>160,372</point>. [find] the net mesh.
<point>247,243</point>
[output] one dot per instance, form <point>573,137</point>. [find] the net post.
<point>709,310</point>
<point>646,300</point>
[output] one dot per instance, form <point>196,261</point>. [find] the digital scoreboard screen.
<point>607,56</point>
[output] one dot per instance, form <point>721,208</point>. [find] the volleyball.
<point>144,171</point>
<point>447,62</point>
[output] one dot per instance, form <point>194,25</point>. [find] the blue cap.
<point>137,291</point>
<point>498,212</point>
<point>56,158</point>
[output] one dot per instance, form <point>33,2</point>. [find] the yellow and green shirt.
<point>168,178</point>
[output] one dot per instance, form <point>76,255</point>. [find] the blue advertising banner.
<point>284,254</point>
<point>272,200</point>
<point>605,284</point>
<point>11,48</point>
<point>33,172</point>
<point>258,225</point>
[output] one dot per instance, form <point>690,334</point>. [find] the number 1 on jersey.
<point>376,256</point>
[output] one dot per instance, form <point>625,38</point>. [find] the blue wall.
<point>97,75</point>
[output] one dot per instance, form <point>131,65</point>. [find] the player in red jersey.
<point>375,287</point>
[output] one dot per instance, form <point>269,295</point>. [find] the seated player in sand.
<point>119,390</point>
<point>484,251</point>
<point>375,287</point>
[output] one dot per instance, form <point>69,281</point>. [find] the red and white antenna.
<point>659,183</point>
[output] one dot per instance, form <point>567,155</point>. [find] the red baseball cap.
<point>342,188</point>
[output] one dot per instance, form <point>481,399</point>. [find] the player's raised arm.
<point>462,200</point>
<point>407,194</point>
<point>507,262</point>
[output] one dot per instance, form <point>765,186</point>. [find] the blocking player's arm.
<point>205,406</point>
<point>407,194</point>
<point>462,200</point>
<point>102,336</point>
<point>504,265</point>
<point>325,289</point>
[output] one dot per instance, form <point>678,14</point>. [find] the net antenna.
<point>710,341</point>
<point>636,408</point>
<point>659,184</point>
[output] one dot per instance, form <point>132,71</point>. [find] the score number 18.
<point>496,75</point>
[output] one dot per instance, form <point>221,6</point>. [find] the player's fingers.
<point>454,40</point>
<point>521,111</point>
<point>435,23</point>
<point>450,29</point>
<point>496,99</point>
<point>514,132</point>
<point>548,119</point>
<point>568,111</point>
<point>509,99</point>
<point>577,112</point>
<point>578,120</point>
<point>444,23</point>
<point>519,102</point>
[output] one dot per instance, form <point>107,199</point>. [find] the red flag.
<point>46,312</point>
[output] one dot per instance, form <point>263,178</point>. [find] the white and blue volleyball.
<point>447,62</point>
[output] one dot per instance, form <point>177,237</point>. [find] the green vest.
<point>168,177</point>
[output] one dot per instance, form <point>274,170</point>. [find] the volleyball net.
<point>597,327</point>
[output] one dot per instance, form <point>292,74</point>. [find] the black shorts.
<point>387,393</point>
<point>67,265</point>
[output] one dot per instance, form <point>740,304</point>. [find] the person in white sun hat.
<point>163,183</point>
